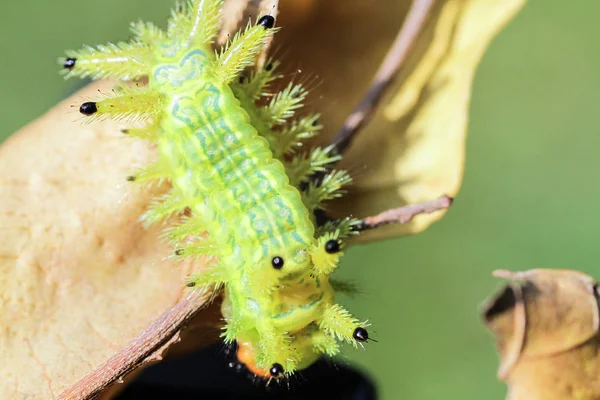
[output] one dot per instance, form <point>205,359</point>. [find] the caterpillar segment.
<point>285,140</point>
<point>233,163</point>
<point>270,119</point>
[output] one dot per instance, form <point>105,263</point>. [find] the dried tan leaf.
<point>413,150</point>
<point>79,275</point>
<point>545,323</point>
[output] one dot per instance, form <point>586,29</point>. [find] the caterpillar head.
<point>282,265</point>
<point>293,261</point>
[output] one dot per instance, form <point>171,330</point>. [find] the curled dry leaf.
<point>413,149</point>
<point>546,325</point>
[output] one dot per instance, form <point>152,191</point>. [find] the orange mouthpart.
<point>246,355</point>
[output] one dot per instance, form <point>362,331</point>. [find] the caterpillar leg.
<point>126,61</point>
<point>338,323</point>
<point>325,344</point>
<point>276,354</point>
<point>243,49</point>
<point>231,330</point>
<point>128,103</point>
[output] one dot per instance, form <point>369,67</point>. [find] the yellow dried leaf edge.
<point>415,146</point>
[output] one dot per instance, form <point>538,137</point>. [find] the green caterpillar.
<point>232,160</point>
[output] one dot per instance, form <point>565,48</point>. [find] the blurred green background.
<point>528,199</point>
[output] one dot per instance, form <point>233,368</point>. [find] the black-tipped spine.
<point>332,246</point>
<point>267,21</point>
<point>88,108</point>
<point>69,63</point>
<point>277,262</point>
<point>276,370</point>
<point>360,334</point>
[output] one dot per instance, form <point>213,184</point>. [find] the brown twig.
<point>395,58</point>
<point>404,214</point>
<point>147,346</point>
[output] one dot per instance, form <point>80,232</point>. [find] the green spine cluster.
<point>230,149</point>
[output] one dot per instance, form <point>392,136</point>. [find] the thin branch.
<point>395,58</point>
<point>147,346</point>
<point>404,214</point>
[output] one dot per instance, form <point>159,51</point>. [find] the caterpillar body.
<point>233,162</point>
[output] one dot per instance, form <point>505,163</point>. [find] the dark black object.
<point>205,375</point>
<point>277,262</point>
<point>361,334</point>
<point>276,370</point>
<point>266,21</point>
<point>69,63</point>
<point>88,108</point>
<point>332,246</point>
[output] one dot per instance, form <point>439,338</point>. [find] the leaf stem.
<point>394,60</point>
<point>404,214</point>
<point>147,346</point>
